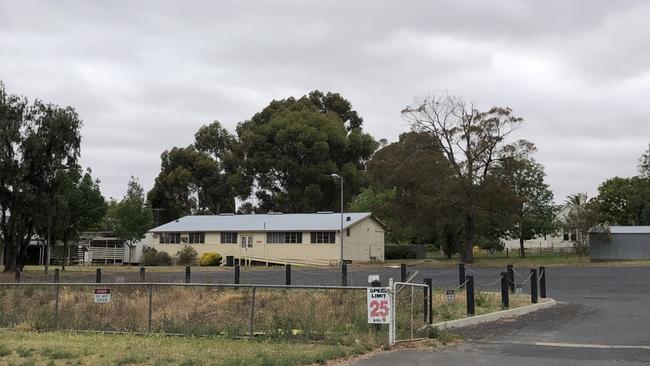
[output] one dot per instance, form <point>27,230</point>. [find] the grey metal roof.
<point>629,229</point>
<point>265,222</point>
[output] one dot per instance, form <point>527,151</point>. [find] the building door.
<point>246,241</point>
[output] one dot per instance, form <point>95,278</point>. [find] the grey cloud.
<point>145,75</point>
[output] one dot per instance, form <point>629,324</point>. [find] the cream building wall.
<point>365,243</point>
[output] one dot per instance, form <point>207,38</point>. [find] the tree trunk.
<point>467,254</point>
<point>522,250</point>
<point>65,255</point>
<point>10,257</point>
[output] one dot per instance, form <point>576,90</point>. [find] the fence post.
<point>56,275</point>
<point>188,274</point>
<point>470,295</point>
<point>505,296</point>
<point>402,272</point>
<point>287,272</point>
<point>511,277</point>
<point>17,276</point>
<point>142,274</point>
<point>461,274</point>
<point>237,274</point>
<point>252,315</point>
<point>149,306</point>
<point>533,286</point>
<point>344,274</point>
<point>542,282</point>
<point>428,302</point>
<point>56,302</point>
<point>98,275</point>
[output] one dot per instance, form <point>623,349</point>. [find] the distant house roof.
<point>267,222</point>
<point>629,229</point>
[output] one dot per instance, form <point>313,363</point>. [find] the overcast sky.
<point>144,76</point>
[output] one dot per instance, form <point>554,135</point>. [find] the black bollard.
<point>402,272</point>
<point>511,277</point>
<point>344,274</point>
<point>188,274</point>
<point>470,295</point>
<point>56,275</point>
<point>237,273</point>
<point>461,274</point>
<point>542,282</point>
<point>98,275</point>
<point>533,286</point>
<point>429,300</point>
<point>17,276</point>
<point>287,279</point>
<point>505,296</point>
<point>142,274</point>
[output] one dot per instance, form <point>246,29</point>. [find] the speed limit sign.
<point>379,304</point>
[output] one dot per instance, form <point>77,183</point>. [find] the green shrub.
<point>399,252</point>
<point>152,257</point>
<point>186,256</point>
<point>210,259</point>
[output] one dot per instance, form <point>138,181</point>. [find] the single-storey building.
<point>310,238</point>
<point>620,243</point>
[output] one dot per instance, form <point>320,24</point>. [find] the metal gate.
<point>409,311</point>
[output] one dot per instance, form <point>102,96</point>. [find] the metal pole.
<point>56,303</point>
<point>341,220</point>
<point>252,315</point>
<point>429,283</point>
<point>149,307</point>
<point>412,307</point>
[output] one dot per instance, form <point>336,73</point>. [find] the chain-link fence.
<point>315,313</point>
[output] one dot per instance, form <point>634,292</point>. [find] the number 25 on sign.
<point>378,305</point>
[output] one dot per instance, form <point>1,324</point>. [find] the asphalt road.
<point>605,320</point>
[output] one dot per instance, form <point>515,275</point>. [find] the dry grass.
<point>57,348</point>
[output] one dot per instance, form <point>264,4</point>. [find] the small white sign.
<point>450,296</point>
<point>102,295</point>
<point>372,278</point>
<point>519,288</point>
<point>379,305</point>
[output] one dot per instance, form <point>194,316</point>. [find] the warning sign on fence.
<point>450,296</point>
<point>379,305</point>
<point>519,288</point>
<point>102,295</point>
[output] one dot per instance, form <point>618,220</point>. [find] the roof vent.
<point>227,214</point>
<point>325,212</point>
<point>348,218</point>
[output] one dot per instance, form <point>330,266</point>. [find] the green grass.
<point>66,348</point>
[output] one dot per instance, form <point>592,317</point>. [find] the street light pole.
<point>336,176</point>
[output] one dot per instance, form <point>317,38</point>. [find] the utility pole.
<point>336,176</point>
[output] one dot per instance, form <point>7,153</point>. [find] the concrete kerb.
<point>503,314</point>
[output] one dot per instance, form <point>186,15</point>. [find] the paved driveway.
<point>605,320</point>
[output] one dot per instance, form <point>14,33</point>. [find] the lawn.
<point>65,348</point>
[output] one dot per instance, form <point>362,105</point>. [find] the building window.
<point>573,237</point>
<point>228,238</point>
<point>347,232</point>
<point>323,237</point>
<point>284,237</point>
<point>170,238</point>
<point>197,238</point>
<point>566,236</point>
